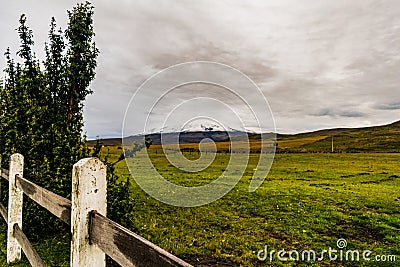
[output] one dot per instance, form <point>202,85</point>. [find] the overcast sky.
<point>320,64</point>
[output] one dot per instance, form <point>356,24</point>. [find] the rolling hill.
<point>385,138</point>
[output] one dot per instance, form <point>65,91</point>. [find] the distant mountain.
<point>186,137</point>
<point>385,138</point>
<point>106,142</point>
<point>194,136</point>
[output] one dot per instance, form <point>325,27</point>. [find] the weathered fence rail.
<point>26,246</point>
<point>3,212</point>
<point>93,234</point>
<point>129,248</point>
<point>57,205</point>
<point>4,174</point>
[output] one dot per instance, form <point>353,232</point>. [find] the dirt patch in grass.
<point>390,178</point>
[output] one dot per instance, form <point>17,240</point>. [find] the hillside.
<point>385,138</point>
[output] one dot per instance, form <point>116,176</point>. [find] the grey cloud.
<point>335,112</point>
<point>320,64</point>
<point>352,114</point>
<point>388,106</point>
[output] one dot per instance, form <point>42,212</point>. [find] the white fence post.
<point>89,187</point>
<point>15,197</point>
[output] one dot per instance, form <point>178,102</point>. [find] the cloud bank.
<point>320,64</point>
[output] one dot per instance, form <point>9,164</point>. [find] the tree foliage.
<point>41,107</point>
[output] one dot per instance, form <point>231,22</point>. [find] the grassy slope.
<point>371,139</point>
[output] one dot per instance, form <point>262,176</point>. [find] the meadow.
<point>308,201</point>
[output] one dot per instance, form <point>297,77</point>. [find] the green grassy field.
<point>308,201</point>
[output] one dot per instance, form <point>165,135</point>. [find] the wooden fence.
<point>93,234</point>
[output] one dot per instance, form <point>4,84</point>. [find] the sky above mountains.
<point>320,64</point>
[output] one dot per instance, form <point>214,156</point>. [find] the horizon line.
<point>276,132</point>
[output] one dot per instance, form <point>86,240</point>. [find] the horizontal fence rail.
<point>4,174</point>
<point>93,234</point>
<point>126,247</point>
<point>57,205</point>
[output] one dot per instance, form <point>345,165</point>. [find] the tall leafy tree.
<point>41,114</point>
<point>41,107</point>
<point>81,57</point>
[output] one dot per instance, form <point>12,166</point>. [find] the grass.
<point>371,139</point>
<point>308,201</point>
<point>54,251</point>
<point>296,142</point>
